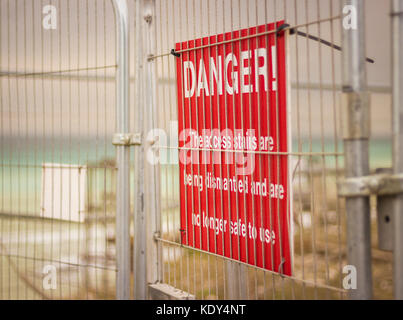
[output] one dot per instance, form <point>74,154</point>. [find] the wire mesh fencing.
<point>59,175</point>
<point>57,66</point>
<point>315,158</point>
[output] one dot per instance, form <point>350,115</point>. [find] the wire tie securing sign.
<point>174,53</point>
<point>282,27</point>
<point>280,267</point>
<point>394,14</point>
<point>182,231</point>
<point>157,235</point>
<point>314,38</point>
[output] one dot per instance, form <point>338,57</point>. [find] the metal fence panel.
<point>57,71</point>
<point>65,196</point>
<point>316,157</point>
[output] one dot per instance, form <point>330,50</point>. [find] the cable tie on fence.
<point>282,27</point>
<point>280,267</point>
<point>398,13</point>
<point>174,53</point>
<point>182,231</point>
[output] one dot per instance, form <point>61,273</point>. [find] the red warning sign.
<point>233,142</point>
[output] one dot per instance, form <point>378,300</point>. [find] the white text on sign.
<point>231,72</point>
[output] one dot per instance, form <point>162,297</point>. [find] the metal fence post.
<point>122,152</point>
<point>356,142</point>
<point>397,125</point>
<point>139,254</point>
<point>147,251</point>
<point>236,277</point>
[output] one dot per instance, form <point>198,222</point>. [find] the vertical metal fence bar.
<point>122,153</point>
<point>2,162</point>
<point>356,141</point>
<point>42,91</point>
<point>81,241</point>
<point>236,273</point>
<point>165,117</point>
<point>232,280</point>
<point>87,100</point>
<point>323,162</point>
<point>152,172</point>
<point>60,147</point>
<point>397,125</point>
<point>139,260</point>
<point>150,211</point>
<point>174,115</point>
<point>311,175</point>
<point>335,137</point>
<point>18,145</point>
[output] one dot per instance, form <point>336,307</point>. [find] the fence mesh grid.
<point>57,161</point>
<point>316,156</point>
<point>58,171</point>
